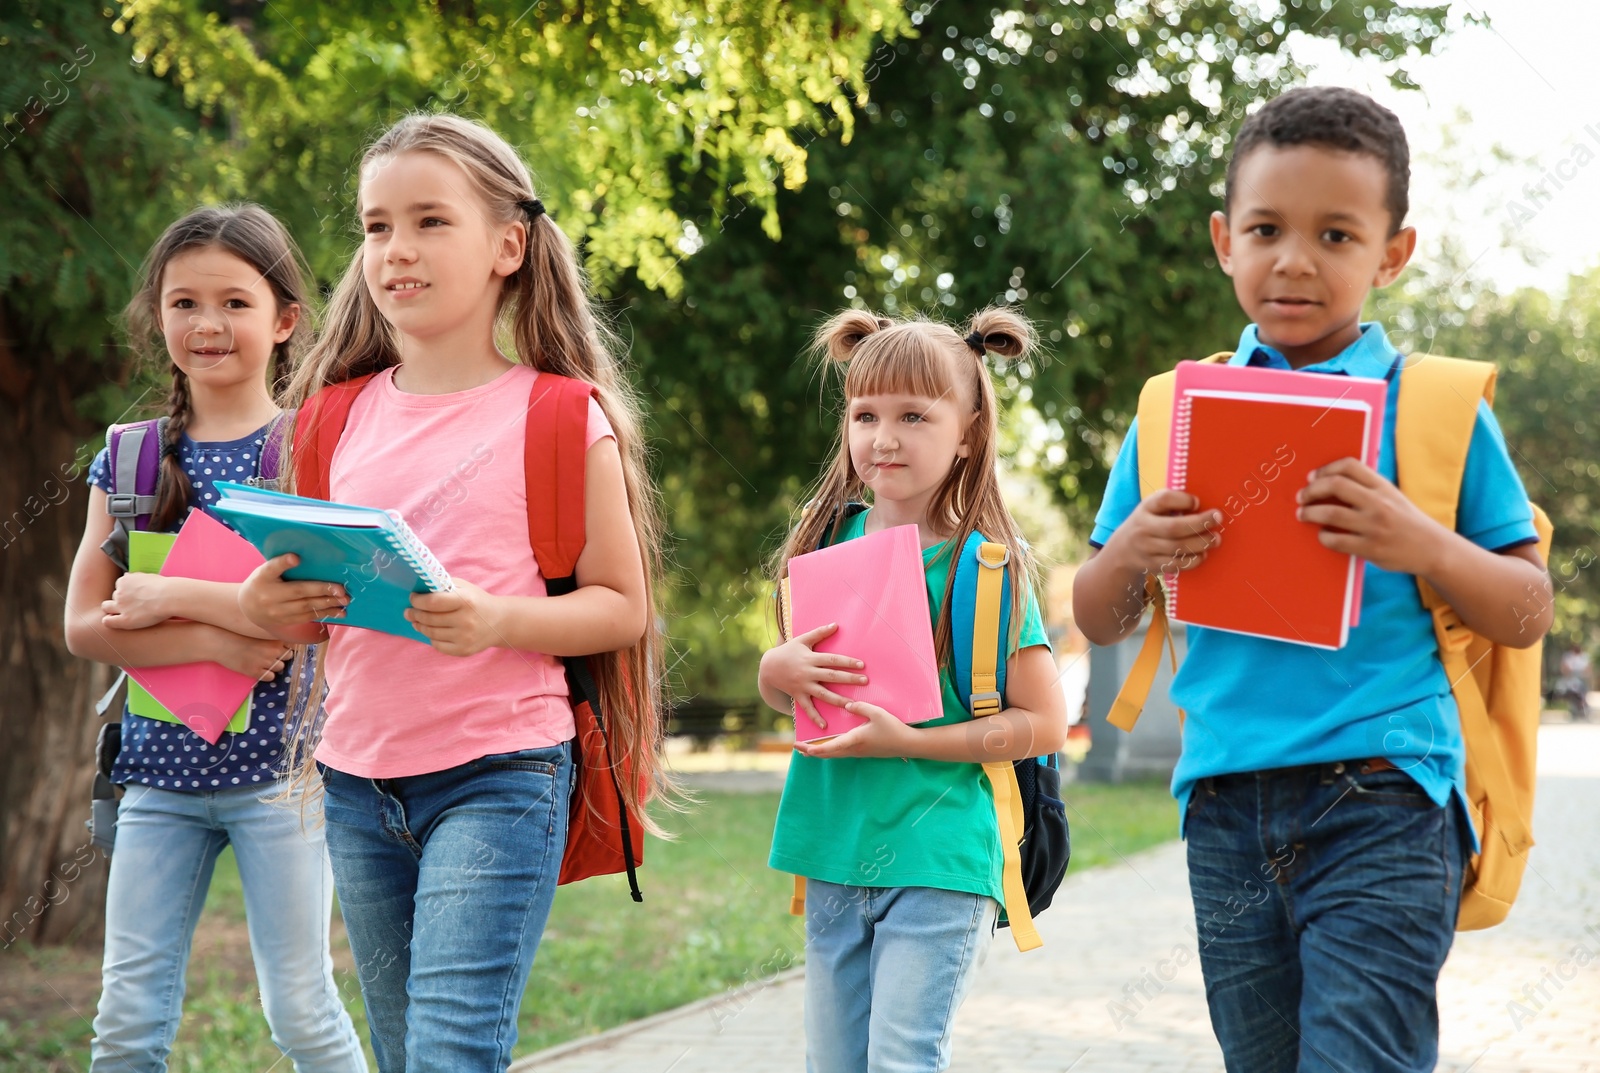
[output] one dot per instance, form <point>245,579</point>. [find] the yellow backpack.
<point>1496,687</point>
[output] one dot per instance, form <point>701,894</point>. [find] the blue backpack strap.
<point>963,611</point>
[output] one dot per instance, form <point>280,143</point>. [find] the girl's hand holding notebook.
<point>884,734</point>
<point>460,622</point>
<point>874,590</point>
<point>373,554</point>
<point>806,675</point>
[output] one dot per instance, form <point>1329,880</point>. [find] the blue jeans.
<point>167,845</point>
<point>886,970</point>
<point>1325,901</point>
<point>445,881</point>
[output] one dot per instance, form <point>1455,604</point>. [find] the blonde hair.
<point>923,357</point>
<point>550,324</point>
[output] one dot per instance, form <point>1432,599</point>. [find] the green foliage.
<point>93,163</point>
<point>612,104</point>
<point>639,120</point>
<point>1064,157</point>
<point>1068,158</point>
<point>1547,400</point>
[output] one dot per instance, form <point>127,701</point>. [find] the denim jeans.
<point>886,970</point>
<point>167,844</point>
<point>445,881</point>
<point>1325,901</point>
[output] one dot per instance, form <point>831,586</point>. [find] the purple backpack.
<point>133,461</point>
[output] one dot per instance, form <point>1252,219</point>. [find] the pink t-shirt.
<point>452,465</point>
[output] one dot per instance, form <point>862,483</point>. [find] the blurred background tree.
<point>1547,400</point>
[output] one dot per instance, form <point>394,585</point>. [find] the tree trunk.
<point>52,882</point>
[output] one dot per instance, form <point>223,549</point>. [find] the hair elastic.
<point>532,206</point>
<point>975,341</point>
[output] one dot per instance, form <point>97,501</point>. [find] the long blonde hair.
<point>924,357</point>
<point>548,321</point>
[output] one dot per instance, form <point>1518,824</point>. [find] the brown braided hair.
<point>255,236</point>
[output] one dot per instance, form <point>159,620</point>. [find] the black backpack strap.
<point>579,674</point>
<point>840,516</point>
<point>581,678</point>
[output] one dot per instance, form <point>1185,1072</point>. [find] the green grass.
<point>714,914</point>
<point>1110,822</point>
<point>714,917</point>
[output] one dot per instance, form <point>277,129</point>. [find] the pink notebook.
<point>875,589</point>
<point>204,696</point>
<point>1243,441</point>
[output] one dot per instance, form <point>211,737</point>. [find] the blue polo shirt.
<point>1255,703</point>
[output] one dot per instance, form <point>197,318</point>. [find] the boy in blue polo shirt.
<point>1323,793</point>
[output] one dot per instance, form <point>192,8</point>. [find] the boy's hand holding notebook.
<point>373,553</point>
<point>1244,441</point>
<point>875,589</point>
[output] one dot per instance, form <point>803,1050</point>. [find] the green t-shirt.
<point>888,822</point>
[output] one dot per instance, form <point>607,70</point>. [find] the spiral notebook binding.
<point>1178,478</point>
<point>417,555</point>
<point>786,615</point>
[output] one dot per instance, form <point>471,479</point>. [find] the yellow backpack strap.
<point>1154,442</point>
<point>1002,775</point>
<point>1155,431</point>
<point>797,904</point>
<point>1008,811</point>
<point>1128,706</point>
<point>1155,424</point>
<point>985,699</point>
<point>1434,420</point>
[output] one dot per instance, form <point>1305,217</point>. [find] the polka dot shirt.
<point>170,755</point>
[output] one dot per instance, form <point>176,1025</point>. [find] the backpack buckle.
<point>984,704</point>
<point>1449,631</point>
<point>122,504</point>
<point>984,560</point>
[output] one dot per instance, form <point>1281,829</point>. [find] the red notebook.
<point>1243,442</point>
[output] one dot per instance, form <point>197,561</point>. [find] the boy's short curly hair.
<point>1338,119</point>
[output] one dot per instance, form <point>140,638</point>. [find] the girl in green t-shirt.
<point>894,826</point>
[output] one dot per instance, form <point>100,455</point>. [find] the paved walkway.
<point>1520,998</point>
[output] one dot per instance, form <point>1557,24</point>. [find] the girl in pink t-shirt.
<point>447,767</point>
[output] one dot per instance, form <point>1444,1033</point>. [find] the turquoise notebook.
<point>373,553</point>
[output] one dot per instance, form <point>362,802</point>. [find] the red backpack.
<point>602,838</point>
